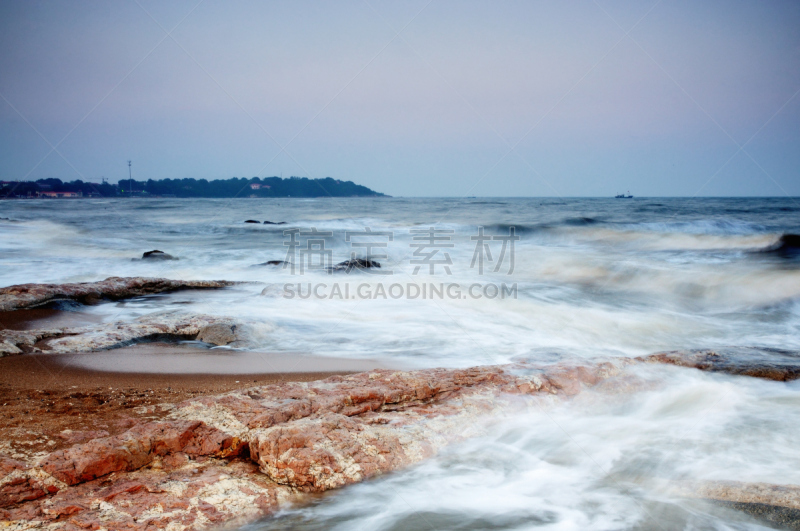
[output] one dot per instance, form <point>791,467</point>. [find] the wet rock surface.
<point>24,296</point>
<point>775,504</point>
<point>234,457</point>
<point>218,334</point>
<point>158,327</point>
<point>157,255</point>
<point>273,263</point>
<point>267,444</point>
<point>355,263</point>
<point>769,364</point>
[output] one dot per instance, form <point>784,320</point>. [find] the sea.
<point>484,281</point>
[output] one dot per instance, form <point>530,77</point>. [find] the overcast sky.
<point>417,98</point>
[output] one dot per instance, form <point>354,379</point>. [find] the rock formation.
<point>231,458</point>
<point>246,453</point>
<point>767,363</point>
<point>24,296</point>
<point>778,504</point>
<point>273,263</point>
<point>355,263</point>
<point>215,330</point>
<point>157,255</point>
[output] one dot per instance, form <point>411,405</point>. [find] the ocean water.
<point>591,278</point>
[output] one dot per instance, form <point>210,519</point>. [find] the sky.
<point>414,98</point>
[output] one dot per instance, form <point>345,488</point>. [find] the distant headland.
<point>222,188</point>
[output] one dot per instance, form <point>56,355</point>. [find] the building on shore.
<point>59,195</point>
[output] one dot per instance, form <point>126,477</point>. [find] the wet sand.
<point>40,318</point>
<point>70,371</point>
<point>150,359</point>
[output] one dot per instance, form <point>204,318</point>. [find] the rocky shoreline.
<point>231,458</point>
<point>268,446</point>
<point>23,296</point>
<point>213,330</point>
<point>242,455</point>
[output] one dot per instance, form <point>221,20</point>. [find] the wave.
<point>519,229</point>
<point>787,246</point>
<point>700,226</point>
<point>580,221</point>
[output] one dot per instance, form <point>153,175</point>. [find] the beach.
<point>622,370</point>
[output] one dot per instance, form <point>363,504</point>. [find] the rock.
<point>355,263</point>
<point>136,448</point>
<point>279,440</point>
<point>73,437</point>
<point>273,290</point>
<point>19,482</point>
<point>777,504</point>
<point>110,335</point>
<point>787,246</point>
<point>190,496</point>
<point>157,255</point>
<point>24,296</point>
<point>218,334</point>
<point>767,363</point>
<point>9,349</point>
<point>272,263</point>
<point>274,223</point>
<point>234,457</point>
<point>252,221</point>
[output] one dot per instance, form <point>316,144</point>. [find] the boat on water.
<point>624,196</point>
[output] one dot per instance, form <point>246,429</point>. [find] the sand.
<point>41,318</point>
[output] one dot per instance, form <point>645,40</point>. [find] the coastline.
<point>119,412</point>
<point>49,404</point>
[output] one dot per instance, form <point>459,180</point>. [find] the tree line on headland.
<point>234,187</point>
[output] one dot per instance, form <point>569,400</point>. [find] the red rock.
<point>234,457</point>
<point>136,448</point>
<point>74,437</point>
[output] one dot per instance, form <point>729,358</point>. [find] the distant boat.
<point>623,196</point>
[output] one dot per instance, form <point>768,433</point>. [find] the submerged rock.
<point>251,221</point>
<point>767,363</point>
<point>24,296</point>
<point>776,504</point>
<point>272,263</point>
<point>274,223</point>
<point>355,263</point>
<point>157,255</point>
